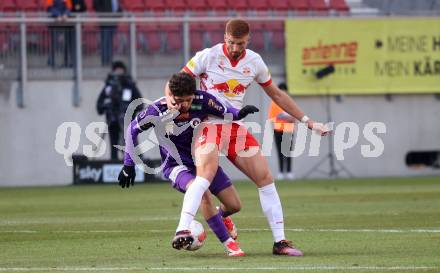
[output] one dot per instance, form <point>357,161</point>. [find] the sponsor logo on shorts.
<point>201,139</point>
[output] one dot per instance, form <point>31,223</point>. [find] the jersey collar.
<point>232,61</point>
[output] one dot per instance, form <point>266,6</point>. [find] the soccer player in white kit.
<point>226,70</point>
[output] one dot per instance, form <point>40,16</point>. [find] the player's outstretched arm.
<point>289,106</point>
<point>212,106</point>
<point>127,174</point>
<point>142,122</point>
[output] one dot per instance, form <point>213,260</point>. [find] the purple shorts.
<point>180,176</point>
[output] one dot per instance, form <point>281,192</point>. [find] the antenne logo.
<point>230,88</point>
<point>332,53</point>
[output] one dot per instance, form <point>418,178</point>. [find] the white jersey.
<point>225,78</point>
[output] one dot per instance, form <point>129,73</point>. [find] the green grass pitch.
<point>348,225</point>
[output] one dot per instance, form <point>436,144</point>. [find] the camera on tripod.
<point>333,170</point>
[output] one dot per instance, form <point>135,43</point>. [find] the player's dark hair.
<point>182,84</point>
<point>237,28</point>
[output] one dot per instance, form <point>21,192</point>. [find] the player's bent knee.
<point>264,179</point>
<point>208,171</point>
<point>234,207</point>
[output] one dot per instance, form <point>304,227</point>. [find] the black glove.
<point>248,109</point>
<point>126,176</point>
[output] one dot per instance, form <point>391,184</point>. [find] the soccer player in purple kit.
<point>175,136</point>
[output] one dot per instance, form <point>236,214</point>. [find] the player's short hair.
<point>237,28</point>
<point>182,84</point>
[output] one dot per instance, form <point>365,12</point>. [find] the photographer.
<point>119,91</point>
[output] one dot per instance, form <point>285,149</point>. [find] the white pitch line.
<point>241,230</point>
<point>267,268</point>
<point>349,230</point>
<point>45,269</point>
<point>83,220</point>
<point>18,231</point>
<point>299,267</point>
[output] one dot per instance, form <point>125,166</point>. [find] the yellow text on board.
<point>370,56</point>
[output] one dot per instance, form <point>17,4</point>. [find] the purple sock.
<point>223,213</point>
<point>218,227</point>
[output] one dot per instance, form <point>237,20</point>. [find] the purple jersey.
<point>176,131</point>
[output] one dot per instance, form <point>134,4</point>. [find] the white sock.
<point>191,202</point>
<point>271,205</point>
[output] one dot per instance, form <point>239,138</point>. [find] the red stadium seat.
<point>8,6</point>
<point>155,5</point>
<point>42,5</point>
<point>299,5</point>
<point>339,5</point>
<point>173,33</point>
<point>276,30</point>
<point>9,36</point>
<point>121,39</point>
<point>38,35</point>
<point>10,28</point>
<point>27,5</point>
<point>89,4</point>
<point>237,5</point>
<point>259,8</point>
<point>133,5</point>
<point>257,35</point>
<point>216,32</point>
<point>319,6</point>
<point>198,5</point>
<point>156,8</point>
<point>149,37</point>
<point>196,34</point>
<point>280,5</point>
<point>90,34</point>
<point>259,5</point>
<point>176,5</point>
<point>4,39</point>
<point>217,5</point>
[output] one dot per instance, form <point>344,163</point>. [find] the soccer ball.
<point>199,234</point>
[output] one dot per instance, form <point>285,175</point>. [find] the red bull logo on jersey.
<point>230,88</point>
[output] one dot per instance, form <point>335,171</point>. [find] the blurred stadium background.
<point>156,38</point>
